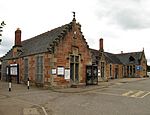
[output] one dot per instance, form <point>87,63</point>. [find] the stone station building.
<point>60,58</point>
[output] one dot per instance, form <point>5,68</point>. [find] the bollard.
<point>9,84</point>
<point>28,83</point>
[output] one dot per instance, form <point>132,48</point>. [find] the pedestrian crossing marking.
<point>136,94</point>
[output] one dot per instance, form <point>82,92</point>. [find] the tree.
<point>1,29</point>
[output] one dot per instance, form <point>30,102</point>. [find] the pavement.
<point>18,88</point>
<point>100,85</point>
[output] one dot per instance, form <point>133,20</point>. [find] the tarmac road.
<point>116,97</point>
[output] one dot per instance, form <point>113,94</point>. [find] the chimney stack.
<point>18,37</point>
<point>101,45</point>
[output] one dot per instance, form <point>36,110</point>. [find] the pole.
<point>17,73</point>
<point>28,84</point>
<point>9,84</point>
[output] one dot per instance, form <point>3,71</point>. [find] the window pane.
<point>77,72</point>
<point>25,69</point>
<point>72,71</point>
<point>39,69</point>
<point>77,59</point>
<point>72,59</point>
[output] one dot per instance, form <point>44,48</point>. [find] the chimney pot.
<point>18,37</point>
<point>101,44</point>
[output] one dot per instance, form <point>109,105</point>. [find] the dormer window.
<point>131,58</point>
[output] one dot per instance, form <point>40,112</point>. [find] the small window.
<point>131,58</point>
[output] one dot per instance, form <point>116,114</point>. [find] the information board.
<point>67,73</point>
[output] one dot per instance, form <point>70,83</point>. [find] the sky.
<point>123,24</point>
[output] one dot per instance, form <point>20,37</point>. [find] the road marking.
<point>23,101</point>
<point>122,92</point>
<point>137,94</point>
<point>44,111</point>
<point>145,95</point>
<point>106,93</point>
<point>118,83</point>
<point>127,93</point>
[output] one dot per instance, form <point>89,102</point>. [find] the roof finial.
<point>143,49</point>
<point>74,14</point>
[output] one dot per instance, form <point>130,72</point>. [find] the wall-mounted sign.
<point>54,71</point>
<point>13,69</point>
<point>7,70</point>
<point>67,73</point>
<point>138,67</point>
<point>60,71</point>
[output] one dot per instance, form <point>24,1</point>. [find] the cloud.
<point>129,14</point>
<point>5,46</point>
<point>132,19</point>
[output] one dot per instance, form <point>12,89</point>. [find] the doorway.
<point>102,70</point>
<point>91,75</point>
<point>116,71</point>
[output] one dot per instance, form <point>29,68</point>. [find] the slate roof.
<point>112,58</point>
<point>123,58</point>
<point>41,43</point>
<point>95,55</point>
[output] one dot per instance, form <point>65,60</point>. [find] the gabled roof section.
<point>95,55</point>
<point>125,58</point>
<point>111,58</point>
<point>42,42</point>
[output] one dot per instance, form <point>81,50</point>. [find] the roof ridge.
<point>45,32</point>
<point>128,53</point>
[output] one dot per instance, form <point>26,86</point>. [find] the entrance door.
<point>74,68</point>
<point>91,75</point>
<point>116,72</point>
<point>102,70</point>
<point>13,72</point>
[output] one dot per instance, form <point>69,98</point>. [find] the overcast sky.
<point>123,24</point>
